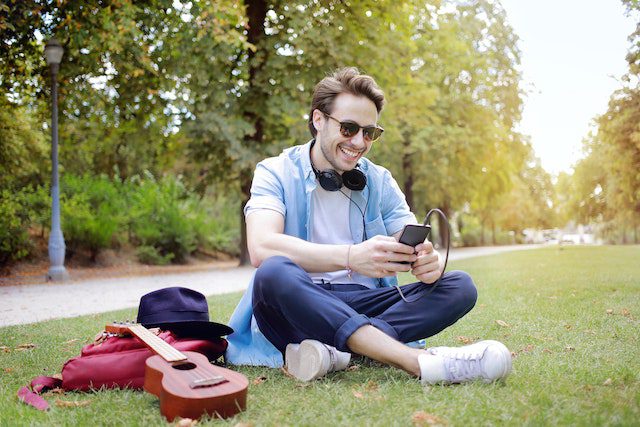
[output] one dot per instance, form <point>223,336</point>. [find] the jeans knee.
<point>466,293</point>
<point>273,278</point>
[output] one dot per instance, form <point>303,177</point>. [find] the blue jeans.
<point>289,307</point>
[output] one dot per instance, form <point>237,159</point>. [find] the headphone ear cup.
<point>330,180</point>
<point>354,180</point>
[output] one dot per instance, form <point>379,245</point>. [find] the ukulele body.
<point>193,387</point>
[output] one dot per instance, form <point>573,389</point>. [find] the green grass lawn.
<point>569,315</point>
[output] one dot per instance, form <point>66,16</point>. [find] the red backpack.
<point>115,362</point>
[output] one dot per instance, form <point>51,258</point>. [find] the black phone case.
<point>414,234</point>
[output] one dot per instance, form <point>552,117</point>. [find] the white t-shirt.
<point>330,225</point>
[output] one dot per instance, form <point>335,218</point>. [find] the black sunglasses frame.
<point>350,129</point>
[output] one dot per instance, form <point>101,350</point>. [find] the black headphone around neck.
<point>330,180</point>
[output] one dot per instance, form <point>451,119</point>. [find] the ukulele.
<point>187,384</point>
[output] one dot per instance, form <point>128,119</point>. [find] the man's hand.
<point>429,265</point>
<point>381,256</point>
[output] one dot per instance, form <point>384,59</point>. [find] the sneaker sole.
<point>305,361</point>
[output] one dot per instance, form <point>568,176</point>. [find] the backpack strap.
<point>30,395</point>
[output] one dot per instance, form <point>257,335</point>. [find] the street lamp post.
<point>53,53</point>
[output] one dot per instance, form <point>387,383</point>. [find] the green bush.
<point>38,202</point>
<point>217,223</point>
<point>92,210</point>
<point>14,226</point>
<point>162,217</point>
<point>150,255</point>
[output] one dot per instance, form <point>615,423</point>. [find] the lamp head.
<point>53,52</point>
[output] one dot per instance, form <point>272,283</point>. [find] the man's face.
<point>337,151</point>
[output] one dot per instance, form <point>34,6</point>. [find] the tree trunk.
<point>493,233</point>
<point>245,188</point>
<point>256,14</point>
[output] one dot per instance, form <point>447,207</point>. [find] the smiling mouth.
<point>349,153</point>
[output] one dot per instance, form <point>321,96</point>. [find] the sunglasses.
<point>350,129</point>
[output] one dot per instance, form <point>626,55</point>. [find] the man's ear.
<point>318,119</point>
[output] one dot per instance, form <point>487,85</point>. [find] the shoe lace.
<point>462,364</point>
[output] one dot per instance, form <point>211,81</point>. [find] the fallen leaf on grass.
<point>609,311</point>
<point>568,327</point>
<point>503,323</point>
<point>71,403</point>
<point>186,422</point>
<point>627,313</point>
<point>302,385</point>
<point>465,340</point>
<point>25,346</point>
<point>569,348</point>
<point>546,350</point>
<point>353,368</point>
<point>368,390</point>
<point>259,380</point>
<point>8,370</point>
<point>284,371</point>
<point>422,418</point>
<point>527,349</point>
<point>608,381</point>
<point>4,349</point>
<point>372,386</point>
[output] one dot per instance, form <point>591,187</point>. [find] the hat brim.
<point>193,328</point>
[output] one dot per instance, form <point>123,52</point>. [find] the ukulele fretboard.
<point>166,351</point>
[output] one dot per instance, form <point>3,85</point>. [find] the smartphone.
<point>413,235</point>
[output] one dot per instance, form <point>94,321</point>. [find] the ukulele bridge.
<point>208,382</point>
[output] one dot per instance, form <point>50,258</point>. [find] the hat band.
<point>174,316</point>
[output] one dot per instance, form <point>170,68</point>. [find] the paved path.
<point>23,304</point>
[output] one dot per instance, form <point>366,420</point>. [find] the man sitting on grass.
<point>322,227</point>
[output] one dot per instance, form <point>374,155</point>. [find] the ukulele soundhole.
<point>184,366</point>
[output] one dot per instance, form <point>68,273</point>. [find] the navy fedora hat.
<point>181,310</point>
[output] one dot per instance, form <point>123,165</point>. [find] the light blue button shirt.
<point>284,184</point>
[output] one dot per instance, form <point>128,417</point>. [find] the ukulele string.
<point>197,373</point>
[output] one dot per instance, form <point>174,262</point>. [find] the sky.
<point>572,57</point>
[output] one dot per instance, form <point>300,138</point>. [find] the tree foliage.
<point>206,89</point>
<point>605,186</point>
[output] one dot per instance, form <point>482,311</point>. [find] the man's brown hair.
<point>344,80</point>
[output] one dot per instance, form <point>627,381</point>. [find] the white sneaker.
<point>311,359</point>
<point>486,360</point>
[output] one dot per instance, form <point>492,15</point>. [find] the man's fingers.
<point>426,247</point>
<point>425,259</point>
<point>427,267</point>
<point>402,257</point>
<point>399,247</point>
<point>396,267</point>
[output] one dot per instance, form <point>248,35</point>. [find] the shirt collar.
<point>306,161</point>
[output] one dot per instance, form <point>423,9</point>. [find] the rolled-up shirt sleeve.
<point>266,191</point>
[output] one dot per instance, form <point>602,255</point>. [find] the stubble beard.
<point>325,148</point>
